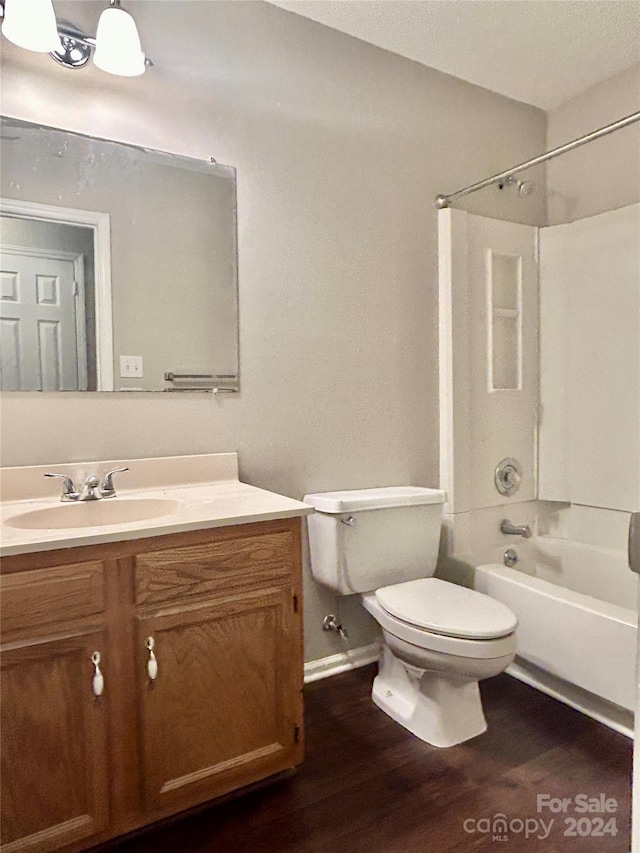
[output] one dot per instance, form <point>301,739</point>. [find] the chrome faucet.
<point>515,529</point>
<point>69,491</point>
<point>92,489</point>
<point>107,489</point>
<point>89,492</point>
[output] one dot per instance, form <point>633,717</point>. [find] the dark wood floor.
<point>368,786</point>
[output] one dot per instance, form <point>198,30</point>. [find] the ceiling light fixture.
<point>30,24</point>
<point>116,48</point>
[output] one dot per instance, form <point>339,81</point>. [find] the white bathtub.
<point>577,625</point>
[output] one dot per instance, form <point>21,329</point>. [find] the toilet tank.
<point>362,540</point>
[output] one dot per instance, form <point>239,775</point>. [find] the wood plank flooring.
<point>368,786</point>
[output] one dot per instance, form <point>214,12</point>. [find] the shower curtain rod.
<point>442,201</point>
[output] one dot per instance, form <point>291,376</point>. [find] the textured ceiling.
<point>542,52</point>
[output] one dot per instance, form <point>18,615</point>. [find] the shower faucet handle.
<point>634,542</point>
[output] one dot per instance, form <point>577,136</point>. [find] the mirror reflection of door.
<point>42,333</point>
<point>48,300</point>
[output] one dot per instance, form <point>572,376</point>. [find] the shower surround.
<point>568,408</point>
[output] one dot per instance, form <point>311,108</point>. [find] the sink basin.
<point>94,513</point>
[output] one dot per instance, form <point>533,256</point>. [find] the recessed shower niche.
<point>504,300</point>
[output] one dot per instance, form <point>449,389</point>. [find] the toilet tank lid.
<point>361,499</point>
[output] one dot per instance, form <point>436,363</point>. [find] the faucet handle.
<point>69,491</point>
<point>107,488</point>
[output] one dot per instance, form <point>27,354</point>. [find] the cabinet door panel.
<point>54,745</point>
<point>222,710</point>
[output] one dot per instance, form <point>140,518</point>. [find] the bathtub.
<point>577,616</point>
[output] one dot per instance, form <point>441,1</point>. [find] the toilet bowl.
<point>428,681</point>
<point>440,639</point>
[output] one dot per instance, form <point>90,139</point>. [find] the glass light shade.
<point>118,49</point>
<point>31,24</point>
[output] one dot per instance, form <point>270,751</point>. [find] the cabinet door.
<point>223,710</point>
<point>54,745</point>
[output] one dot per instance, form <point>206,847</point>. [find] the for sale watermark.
<point>582,816</point>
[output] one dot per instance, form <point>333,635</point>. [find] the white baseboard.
<point>314,670</point>
<point>616,718</point>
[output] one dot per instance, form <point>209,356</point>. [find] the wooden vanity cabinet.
<point>53,730</point>
<point>200,645</point>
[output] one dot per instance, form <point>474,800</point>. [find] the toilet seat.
<point>446,608</point>
<point>462,647</point>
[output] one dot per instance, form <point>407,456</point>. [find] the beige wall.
<point>340,148</point>
<point>604,174</point>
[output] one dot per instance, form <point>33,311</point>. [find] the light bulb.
<point>31,24</point>
<point>118,49</point>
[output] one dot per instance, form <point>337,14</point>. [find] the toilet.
<point>440,639</point>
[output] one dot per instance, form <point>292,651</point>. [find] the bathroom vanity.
<point>147,666</point>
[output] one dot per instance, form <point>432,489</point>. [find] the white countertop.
<point>204,502</point>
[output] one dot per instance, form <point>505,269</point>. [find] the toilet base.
<point>441,711</point>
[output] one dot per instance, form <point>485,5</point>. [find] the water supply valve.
<point>330,623</point>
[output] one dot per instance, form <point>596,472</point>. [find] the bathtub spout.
<point>515,529</point>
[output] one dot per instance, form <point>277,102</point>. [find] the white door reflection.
<point>43,338</point>
<point>55,304</point>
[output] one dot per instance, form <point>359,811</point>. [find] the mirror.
<point>118,266</point>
